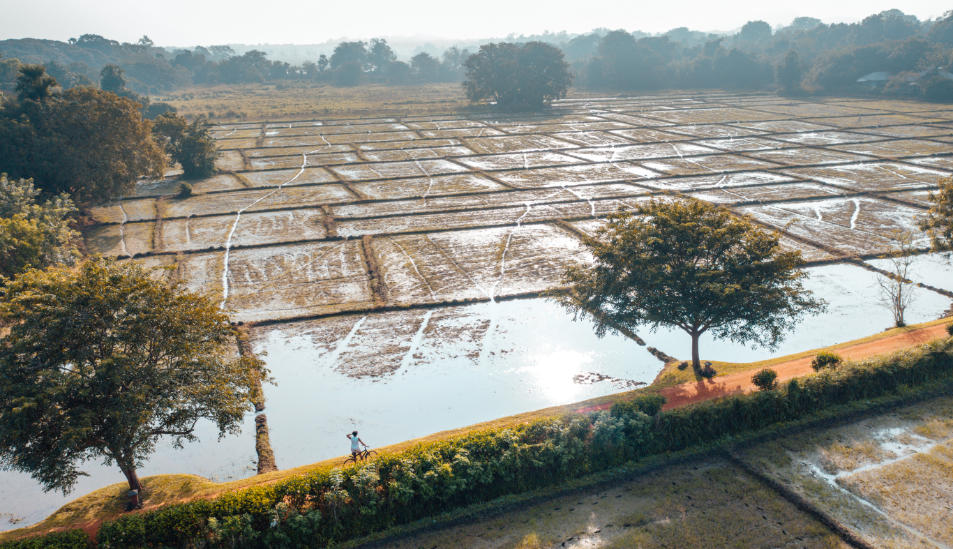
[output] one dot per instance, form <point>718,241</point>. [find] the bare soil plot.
<point>824,137</point>
<point>911,131</point>
<point>712,116</point>
<point>118,240</point>
<point>575,175</point>
<point>297,280</point>
<point>482,131</point>
<point>921,198</point>
<point>201,273</point>
<point>874,121</point>
<point>715,181</point>
<point>743,144</point>
<point>235,132</point>
<point>289,177</point>
<point>315,158</point>
<point>229,161</point>
<point>452,123</point>
<point>785,126</point>
<point>525,160</point>
<point>712,131</point>
<point>592,139</point>
<point>253,228</point>
<point>851,225</point>
<point>812,109</point>
<point>386,170</point>
<point>941,162</point>
<point>641,152</point>
<point>697,165</point>
<point>793,157</point>
<point>125,210</point>
<point>874,176</point>
<point>898,149</point>
<point>479,263</point>
<point>516,143</point>
<point>764,193</point>
<point>231,144</point>
<point>396,155</point>
<point>650,135</point>
<point>301,149</point>
<point>256,199</point>
<point>563,127</point>
<point>674,507</point>
<point>426,186</point>
<point>406,144</point>
<point>479,201</point>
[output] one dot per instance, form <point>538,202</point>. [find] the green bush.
<point>649,405</point>
<point>825,359</point>
<point>327,507</point>
<point>765,380</point>
<point>949,328</point>
<point>185,190</point>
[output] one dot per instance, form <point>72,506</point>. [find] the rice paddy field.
<point>886,479</point>
<point>390,269</point>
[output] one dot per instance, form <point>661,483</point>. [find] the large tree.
<point>517,76</point>
<point>190,145</point>
<point>102,360</point>
<point>691,265</point>
<point>86,142</point>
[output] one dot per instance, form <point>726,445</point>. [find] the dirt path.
<point>719,386</point>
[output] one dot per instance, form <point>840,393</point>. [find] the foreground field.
<point>105,504</point>
<point>887,479</point>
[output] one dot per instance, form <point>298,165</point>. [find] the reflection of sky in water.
<point>458,375</point>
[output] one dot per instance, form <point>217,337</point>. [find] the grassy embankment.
<point>106,503</point>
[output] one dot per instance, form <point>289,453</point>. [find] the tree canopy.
<point>517,75</point>
<point>694,266</point>
<point>101,361</point>
<point>190,145</point>
<point>33,234</point>
<point>86,142</point>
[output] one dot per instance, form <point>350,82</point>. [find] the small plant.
<point>765,380</point>
<point>825,360</point>
<point>949,328</point>
<point>185,190</point>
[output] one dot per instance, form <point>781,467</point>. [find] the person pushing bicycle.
<point>356,444</point>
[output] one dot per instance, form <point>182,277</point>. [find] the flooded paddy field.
<point>378,260</point>
<point>888,478</point>
<point>885,479</point>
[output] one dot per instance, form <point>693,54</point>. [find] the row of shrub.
<point>325,507</point>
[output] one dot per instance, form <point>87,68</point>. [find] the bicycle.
<point>364,455</point>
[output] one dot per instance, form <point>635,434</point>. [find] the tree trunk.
<point>132,478</point>
<point>696,362</point>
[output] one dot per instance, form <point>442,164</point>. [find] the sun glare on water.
<point>551,372</point>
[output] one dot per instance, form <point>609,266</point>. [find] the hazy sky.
<point>205,22</point>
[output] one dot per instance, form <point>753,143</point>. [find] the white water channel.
<point>450,370</point>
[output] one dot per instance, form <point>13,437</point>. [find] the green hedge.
<point>321,508</point>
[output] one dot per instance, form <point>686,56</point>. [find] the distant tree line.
<point>888,53</point>
<point>149,69</point>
